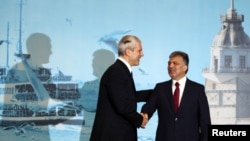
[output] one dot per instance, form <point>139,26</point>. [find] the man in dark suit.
<point>192,116</point>
<point>116,116</point>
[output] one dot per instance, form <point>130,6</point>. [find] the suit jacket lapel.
<point>184,96</point>
<point>132,80</point>
<point>128,73</point>
<point>170,97</point>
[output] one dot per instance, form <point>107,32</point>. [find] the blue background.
<point>77,28</point>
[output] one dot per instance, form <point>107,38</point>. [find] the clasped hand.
<point>145,120</point>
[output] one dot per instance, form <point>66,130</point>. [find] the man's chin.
<point>136,64</point>
<point>171,75</point>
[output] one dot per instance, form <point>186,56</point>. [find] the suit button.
<point>176,119</point>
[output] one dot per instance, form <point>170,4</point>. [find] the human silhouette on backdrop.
<point>20,101</point>
<point>102,59</point>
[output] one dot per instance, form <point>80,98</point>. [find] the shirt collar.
<point>126,63</point>
<point>182,81</point>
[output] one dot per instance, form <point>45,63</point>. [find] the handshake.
<point>145,120</point>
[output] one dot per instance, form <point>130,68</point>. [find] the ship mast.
<point>7,52</point>
<point>20,52</point>
<point>4,74</point>
<point>7,42</point>
<point>41,92</point>
<point>20,28</point>
<point>232,4</point>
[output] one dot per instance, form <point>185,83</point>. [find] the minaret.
<point>227,80</point>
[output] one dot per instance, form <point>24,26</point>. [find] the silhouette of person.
<point>39,50</point>
<point>23,81</point>
<point>102,59</point>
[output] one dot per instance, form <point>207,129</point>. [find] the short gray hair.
<point>127,41</point>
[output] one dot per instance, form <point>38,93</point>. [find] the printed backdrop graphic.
<point>54,52</point>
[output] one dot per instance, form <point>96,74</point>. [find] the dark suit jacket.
<point>116,117</point>
<point>191,121</point>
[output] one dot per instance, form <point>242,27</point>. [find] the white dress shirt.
<point>182,83</point>
<point>126,63</point>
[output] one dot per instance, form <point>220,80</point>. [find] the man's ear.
<point>128,51</point>
<point>186,67</point>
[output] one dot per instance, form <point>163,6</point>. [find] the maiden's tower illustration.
<point>227,80</point>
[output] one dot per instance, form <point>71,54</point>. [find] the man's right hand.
<point>145,120</point>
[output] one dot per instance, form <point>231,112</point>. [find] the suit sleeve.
<point>123,97</point>
<point>150,106</point>
<point>204,115</point>
<point>143,95</point>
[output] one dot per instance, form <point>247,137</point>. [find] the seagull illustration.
<point>4,41</point>
<point>17,130</point>
<point>111,39</point>
<point>142,71</point>
<point>69,21</point>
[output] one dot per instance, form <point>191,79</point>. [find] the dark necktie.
<point>176,96</point>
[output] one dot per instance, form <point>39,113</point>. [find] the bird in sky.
<point>111,39</point>
<point>69,21</point>
<point>142,71</point>
<point>4,41</point>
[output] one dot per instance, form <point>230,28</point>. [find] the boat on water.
<point>21,104</point>
<point>33,95</point>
